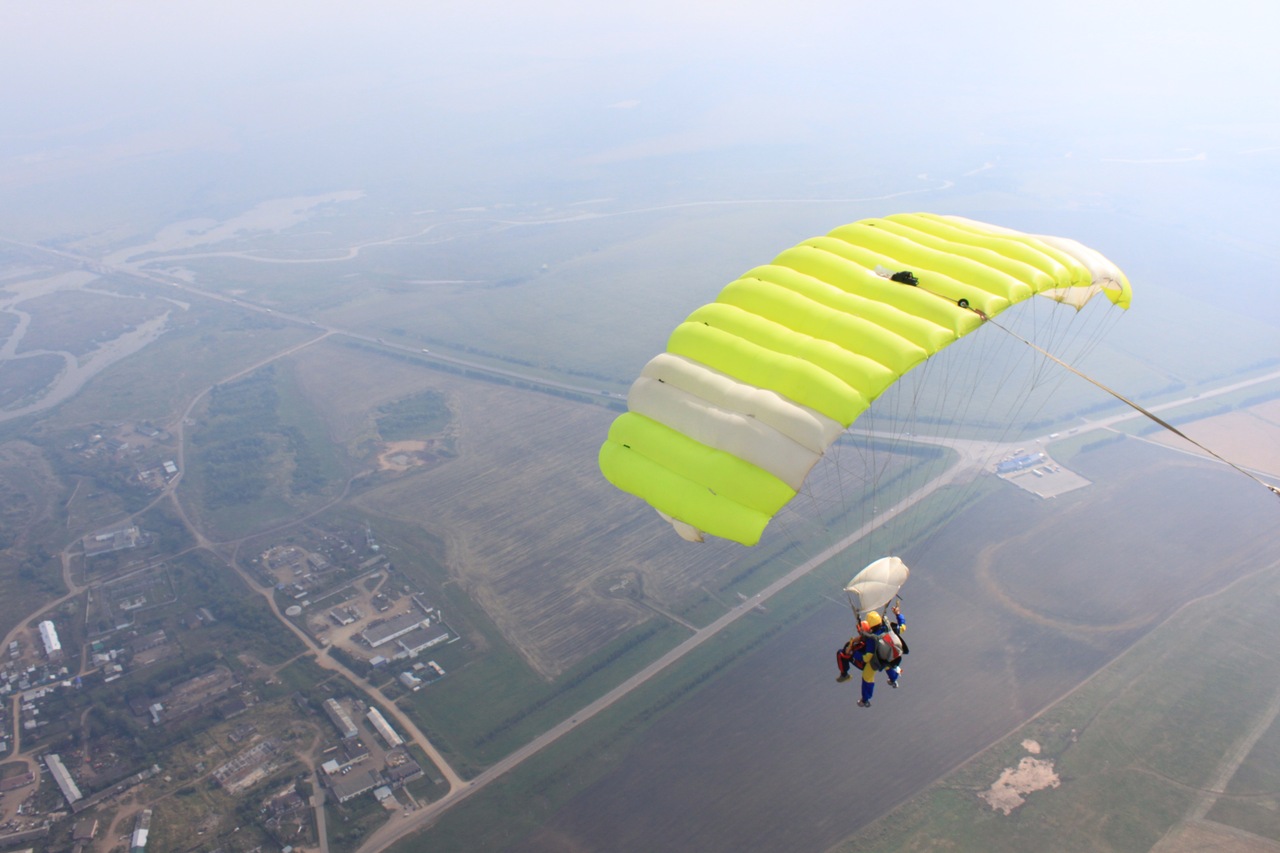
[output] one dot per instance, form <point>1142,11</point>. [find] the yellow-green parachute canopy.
<point>725,425</point>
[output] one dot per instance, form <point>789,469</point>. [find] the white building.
<point>60,775</point>
<point>49,634</point>
<point>340,719</point>
<point>397,626</point>
<point>141,827</point>
<point>383,728</point>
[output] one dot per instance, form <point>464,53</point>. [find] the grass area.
<point>260,454</point>
<point>13,768</point>
<point>432,786</point>
<point>237,442</point>
<point>1200,409</point>
<point>1134,747</point>
<point>484,725</point>
<point>318,464</point>
<point>243,622</point>
<point>702,610</point>
<point>23,379</point>
<point>197,350</point>
<point>520,802</point>
<point>415,417</point>
<point>79,321</point>
<point>162,522</point>
<point>350,822</point>
<point>492,700</point>
<point>30,530</point>
<point>313,681</point>
<point>529,268</point>
<point>1253,793</point>
<point>193,804</point>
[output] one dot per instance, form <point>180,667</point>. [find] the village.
<point>138,691</point>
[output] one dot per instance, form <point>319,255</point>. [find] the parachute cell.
<point>723,428</point>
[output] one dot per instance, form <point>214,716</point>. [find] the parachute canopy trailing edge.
<point>723,427</point>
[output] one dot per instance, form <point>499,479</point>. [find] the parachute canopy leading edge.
<point>877,584</point>
<point>723,427</point>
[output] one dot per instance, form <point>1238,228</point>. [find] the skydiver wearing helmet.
<point>872,630</point>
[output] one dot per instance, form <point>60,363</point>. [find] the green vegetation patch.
<point>306,677</point>
<point>78,321</point>
<point>1107,743</point>
<point>191,809</point>
<point>1253,795</point>
<point>480,725</point>
<point>415,417</point>
<point>260,452</point>
<point>23,379</point>
<point>317,464</point>
<point>30,531</point>
<point>168,534</point>
<point>350,822</point>
<point>196,350</point>
<point>206,612</point>
<point>244,622</point>
<point>236,443</point>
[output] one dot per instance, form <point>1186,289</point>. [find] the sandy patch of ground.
<point>1032,774</point>
<point>401,455</point>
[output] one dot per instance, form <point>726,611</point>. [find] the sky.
<point>480,99</point>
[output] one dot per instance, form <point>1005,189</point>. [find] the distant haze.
<point>481,102</point>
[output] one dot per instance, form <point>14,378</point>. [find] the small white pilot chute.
<point>877,584</point>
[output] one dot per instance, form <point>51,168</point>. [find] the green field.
<point>197,350</point>
<point>1136,747</point>
<point>1003,595</point>
<point>414,417</point>
<point>79,321</point>
<point>519,803</point>
<point>259,455</point>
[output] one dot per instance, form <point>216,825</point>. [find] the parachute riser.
<point>1135,406</point>
<point>959,303</point>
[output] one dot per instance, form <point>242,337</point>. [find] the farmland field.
<point>983,665</point>
<point>528,523</point>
